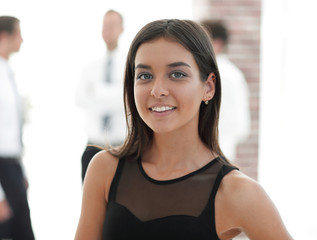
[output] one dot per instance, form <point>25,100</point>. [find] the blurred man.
<point>234,123</point>
<point>15,220</point>
<point>100,92</point>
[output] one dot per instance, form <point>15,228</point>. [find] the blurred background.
<point>272,42</point>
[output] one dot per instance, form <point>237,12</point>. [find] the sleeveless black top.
<point>140,207</point>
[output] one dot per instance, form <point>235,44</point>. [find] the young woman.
<point>170,179</point>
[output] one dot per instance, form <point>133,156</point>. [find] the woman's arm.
<point>249,208</point>
<point>97,183</point>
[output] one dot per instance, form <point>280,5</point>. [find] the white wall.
<point>288,114</point>
<point>60,37</point>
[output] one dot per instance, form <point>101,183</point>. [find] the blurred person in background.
<point>15,222</point>
<point>100,92</point>
<point>234,123</point>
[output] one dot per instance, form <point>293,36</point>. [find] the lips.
<point>162,108</point>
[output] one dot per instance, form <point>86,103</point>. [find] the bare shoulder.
<point>241,193</point>
<point>250,208</point>
<point>99,175</point>
<point>239,185</point>
<point>104,161</point>
<point>101,171</point>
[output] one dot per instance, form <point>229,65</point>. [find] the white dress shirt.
<point>234,123</point>
<point>10,113</point>
<point>10,116</point>
<point>2,195</point>
<point>102,101</point>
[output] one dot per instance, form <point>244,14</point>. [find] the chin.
<point>162,129</point>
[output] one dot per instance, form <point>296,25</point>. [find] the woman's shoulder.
<point>104,161</point>
<point>239,194</point>
<point>101,171</point>
<point>249,208</point>
<point>240,187</point>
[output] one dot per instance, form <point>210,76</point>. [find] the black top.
<point>144,208</point>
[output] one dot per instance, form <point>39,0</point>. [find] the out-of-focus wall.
<point>242,18</point>
<point>287,153</point>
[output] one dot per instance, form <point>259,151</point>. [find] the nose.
<point>159,88</point>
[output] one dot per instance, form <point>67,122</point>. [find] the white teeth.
<point>162,109</point>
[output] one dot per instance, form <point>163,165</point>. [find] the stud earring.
<point>206,102</point>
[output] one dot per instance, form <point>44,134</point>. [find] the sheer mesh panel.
<point>149,199</point>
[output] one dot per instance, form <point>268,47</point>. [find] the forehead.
<point>17,27</point>
<point>112,17</point>
<point>163,49</point>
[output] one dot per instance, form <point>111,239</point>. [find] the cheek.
<point>139,98</point>
<point>193,104</point>
<point>192,96</point>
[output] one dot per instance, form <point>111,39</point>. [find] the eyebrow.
<point>142,66</point>
<point>178,64</point>
<point>171,65</point>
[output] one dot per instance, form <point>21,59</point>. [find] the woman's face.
<point>168,90</point>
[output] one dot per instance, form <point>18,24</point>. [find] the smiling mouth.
<point>162,109</point>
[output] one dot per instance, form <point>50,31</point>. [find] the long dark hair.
<point>195,39</point>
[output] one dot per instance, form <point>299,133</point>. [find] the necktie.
<point>109,70</point>
<point>106,119</point>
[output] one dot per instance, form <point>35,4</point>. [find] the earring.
<point>206,102</point>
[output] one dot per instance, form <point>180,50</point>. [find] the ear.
<point>210,87</point>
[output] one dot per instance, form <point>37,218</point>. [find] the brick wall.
<point>242,18</point>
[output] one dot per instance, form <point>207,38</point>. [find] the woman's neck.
<point>177,150</point>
